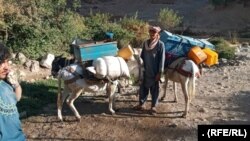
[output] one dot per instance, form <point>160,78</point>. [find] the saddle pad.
<point>177,66</point>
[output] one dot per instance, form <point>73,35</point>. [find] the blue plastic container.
<point>85,50</point>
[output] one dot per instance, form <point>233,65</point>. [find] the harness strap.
<point>71,80</point>
<point>80,76</point>
<point>183,72</point>
<point>179,69</point>
<point>102,81</point>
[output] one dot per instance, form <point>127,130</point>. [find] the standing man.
<point>10,93</point>
<point>153,56</point>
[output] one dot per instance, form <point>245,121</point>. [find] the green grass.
<point>37,95</point>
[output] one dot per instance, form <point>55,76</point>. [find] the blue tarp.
<point>178,46</point>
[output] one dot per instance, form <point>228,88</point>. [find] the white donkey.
<point>74,85</point>
<point>185,72</point>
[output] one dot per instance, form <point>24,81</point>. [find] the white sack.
<point>112,67</point>
<point>100,67</point>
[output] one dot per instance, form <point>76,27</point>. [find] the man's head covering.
<point>155,40</point>
<point>155,28</point>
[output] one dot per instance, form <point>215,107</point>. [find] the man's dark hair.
<point>4,53</point>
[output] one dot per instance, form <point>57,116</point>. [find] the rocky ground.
<point>222,97</point>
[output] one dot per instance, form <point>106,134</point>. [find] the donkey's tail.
<point>191,86</point>
<point>192,79</point>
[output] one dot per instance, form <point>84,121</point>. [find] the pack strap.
<point>179,69</point>
<point>72,80</point>
<point>76,77</point>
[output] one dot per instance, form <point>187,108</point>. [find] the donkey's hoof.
<point>112,112</point>
<point>78,119</point>
<point>60,119</point>
<point>162,99</point>
<point>184,115</point>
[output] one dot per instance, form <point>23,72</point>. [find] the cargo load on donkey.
<point>99,59</point>
<point>198,50</point>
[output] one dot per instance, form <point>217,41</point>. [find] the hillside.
<point>199,15</point>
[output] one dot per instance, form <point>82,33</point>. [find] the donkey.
<point>75,84</point>
<point>185,72</point>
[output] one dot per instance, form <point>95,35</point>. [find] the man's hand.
<point>158,77</point>
<point>13,79</point>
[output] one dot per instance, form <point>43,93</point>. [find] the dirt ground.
<point>222,97</point>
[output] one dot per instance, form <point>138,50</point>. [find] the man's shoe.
<point>153,111</point>
<point>139,107</point>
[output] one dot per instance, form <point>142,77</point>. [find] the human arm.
<point>13,80</point>
<point>161,61</point>
<point>18,91</point>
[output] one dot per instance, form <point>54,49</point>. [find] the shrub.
<point>99,23</point>
<point>168,18</point>
<point>223,48</point>
<point>122,35</point>
<point>233,37</point>
<point>137,28</point>
<point>38,27</point>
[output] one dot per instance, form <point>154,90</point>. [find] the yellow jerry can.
<point>212,57</point>
<point>197,55</point>
<point>126,52</point>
